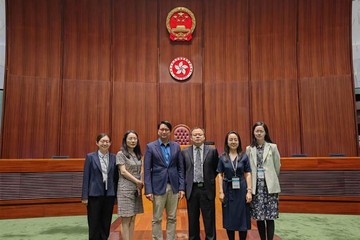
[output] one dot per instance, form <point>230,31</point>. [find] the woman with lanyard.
<point>265,166</point>
<point>99,188</point>
<point>234,187</point>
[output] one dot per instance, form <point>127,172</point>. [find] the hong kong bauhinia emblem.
<point>181,68</point>
<point>180,23</point>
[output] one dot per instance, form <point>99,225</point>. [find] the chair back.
<point>182,134</point>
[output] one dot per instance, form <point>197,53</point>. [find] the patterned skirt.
<point>264,206</point>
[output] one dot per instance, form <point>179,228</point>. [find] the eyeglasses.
<point>164,130</point>
<point>198,134</point>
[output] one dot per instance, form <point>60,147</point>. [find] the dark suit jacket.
<point>93,184</point>
<point>157,173</point>
<point>211,159</point>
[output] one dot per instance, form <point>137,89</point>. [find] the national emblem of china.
<point>180,23</point>
<point>181,68</point>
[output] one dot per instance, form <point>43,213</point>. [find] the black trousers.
<point>199,201</point>
<point>99,215</point>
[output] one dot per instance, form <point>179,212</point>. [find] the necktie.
<point>198,167</point>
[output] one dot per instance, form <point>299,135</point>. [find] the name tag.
<point>235,183</point>
<point>261,173</point>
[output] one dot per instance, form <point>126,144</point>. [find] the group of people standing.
<point>248,183</point>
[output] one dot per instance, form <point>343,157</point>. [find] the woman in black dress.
<point>235,187</point>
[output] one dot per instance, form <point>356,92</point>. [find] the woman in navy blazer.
<point>99,188</point>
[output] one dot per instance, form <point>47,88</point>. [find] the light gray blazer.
<point>271,164</point>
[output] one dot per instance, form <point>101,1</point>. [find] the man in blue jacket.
<point>164,180</point>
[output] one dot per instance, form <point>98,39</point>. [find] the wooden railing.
<point>52,187</point>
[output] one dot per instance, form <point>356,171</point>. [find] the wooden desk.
<point>52,187</point>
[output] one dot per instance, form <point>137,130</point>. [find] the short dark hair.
<point>168,124</point>
<point>101,135</point>
<point>203,130</point>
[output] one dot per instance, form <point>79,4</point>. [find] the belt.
<point>198,184</point>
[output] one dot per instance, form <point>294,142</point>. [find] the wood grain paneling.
<point>327,116</point>
<point>324,38</point>
<point>273,69</point>
<point>86,89</point>
<point>171,49</point>
<point>34,38</point>
<point>135,45</point>
<point>32,96</point>
<point>135,106</point>
<point>326,87</point>
<point>135,70</point>
<point>85,113</point>
<point>87,39</point>
<point>181,103</point>
<point>73,66</point>
<point>311,185</point>
<point>226,40</point>
<point>31,117</point>
<point>274,102</point>
<point>226,75</point>
<point>226,108</point>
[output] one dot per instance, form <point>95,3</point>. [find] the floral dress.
<point>264,206</point>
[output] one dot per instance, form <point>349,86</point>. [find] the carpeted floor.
<point>288,227</point>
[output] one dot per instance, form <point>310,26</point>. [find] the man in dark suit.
<point>200,169</point>
<point>164,180</point>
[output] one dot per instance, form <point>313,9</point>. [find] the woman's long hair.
<point>124,147</point>
<point>267,135</point>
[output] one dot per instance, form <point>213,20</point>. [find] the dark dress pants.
<point>100,211</point>
<point>199,201</point>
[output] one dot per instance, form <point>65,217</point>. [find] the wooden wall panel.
<point>180,101</point>
<point>135,70</point>
<point>34,38</point>
<point>35,131</point>
<point>299,193</point>
<point>326,86</point>
<point>73,66</point>
<point>134,107</point>
<point>86,89</point>
<point>87,39</point>
<point>273,69</point>
<point>135,46</point>
<point>273,102</point>
<point>85,113</point>
<point>226,75</point>
<point>227,107</point>
<point>226,42</point>
<point>169,50</point>
<point>32,96</point>
<point>332,128</point>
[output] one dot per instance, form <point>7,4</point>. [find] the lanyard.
<point>234,166</point>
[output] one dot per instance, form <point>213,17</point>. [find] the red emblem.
<point>181,68</point>
<point>180,23</point>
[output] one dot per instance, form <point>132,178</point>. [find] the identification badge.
<point>261,173</point>
<point>235,183</point>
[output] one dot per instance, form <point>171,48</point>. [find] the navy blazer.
<point>211,159</point>
<point>157,173</point>
<point>93,185</point>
